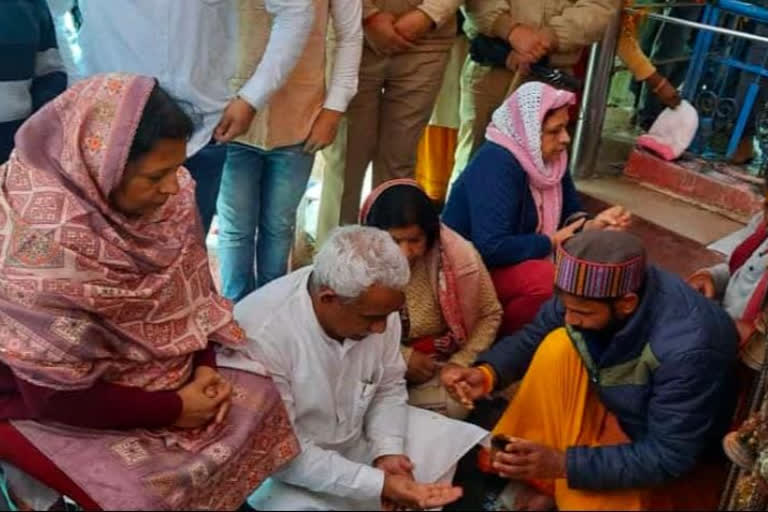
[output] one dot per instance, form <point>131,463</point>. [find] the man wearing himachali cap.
<point>626,386</point>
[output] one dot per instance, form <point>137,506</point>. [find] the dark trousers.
<point>7,133</point>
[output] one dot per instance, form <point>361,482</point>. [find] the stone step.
<point>675,233</point>
<point>685,219</point>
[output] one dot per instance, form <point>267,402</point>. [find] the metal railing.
<point>600,69</point>
<point>701,26</point>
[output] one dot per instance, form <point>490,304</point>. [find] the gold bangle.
<point>490,378</point>
<point>660,85</point>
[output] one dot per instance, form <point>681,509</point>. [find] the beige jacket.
<point>577,23</point>
<point>288,117</point>
<point>442,12</point>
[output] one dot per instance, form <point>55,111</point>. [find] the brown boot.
<point>745,153</point>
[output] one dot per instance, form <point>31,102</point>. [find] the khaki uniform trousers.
<point>483,90</point>
<point>383,125</point>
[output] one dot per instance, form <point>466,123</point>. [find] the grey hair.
<point>356,257</point>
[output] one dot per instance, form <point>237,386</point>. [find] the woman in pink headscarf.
<point>516,201</point>
<point>109,316</point>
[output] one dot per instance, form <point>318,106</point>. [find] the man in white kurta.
<point>347,399</point>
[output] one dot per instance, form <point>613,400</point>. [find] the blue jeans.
<point>259,190</point>
<point>206,167</point>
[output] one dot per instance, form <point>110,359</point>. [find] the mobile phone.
<point>500,441</point>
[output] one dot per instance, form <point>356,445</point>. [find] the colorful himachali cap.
<point>600,265</point>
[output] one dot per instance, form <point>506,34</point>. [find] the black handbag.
<point>493,52</point>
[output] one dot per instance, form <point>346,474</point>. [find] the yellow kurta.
<point>556,407</point>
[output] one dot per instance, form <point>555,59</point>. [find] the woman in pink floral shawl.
<point>108,310</point>
<point>451,312</point>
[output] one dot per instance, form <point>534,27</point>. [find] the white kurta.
<point>347,402</point>
<point>190,46</point>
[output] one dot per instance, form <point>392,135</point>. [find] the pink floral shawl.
<point>516,126</point>
<point>87,293</point>
<point>447,288</point>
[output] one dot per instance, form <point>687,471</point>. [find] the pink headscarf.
<point>87,293</point>
<point>516,126</point>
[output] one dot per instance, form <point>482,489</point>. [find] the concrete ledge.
<point>675,253</point>
<point>698,224</point>
<point>696,182</point>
